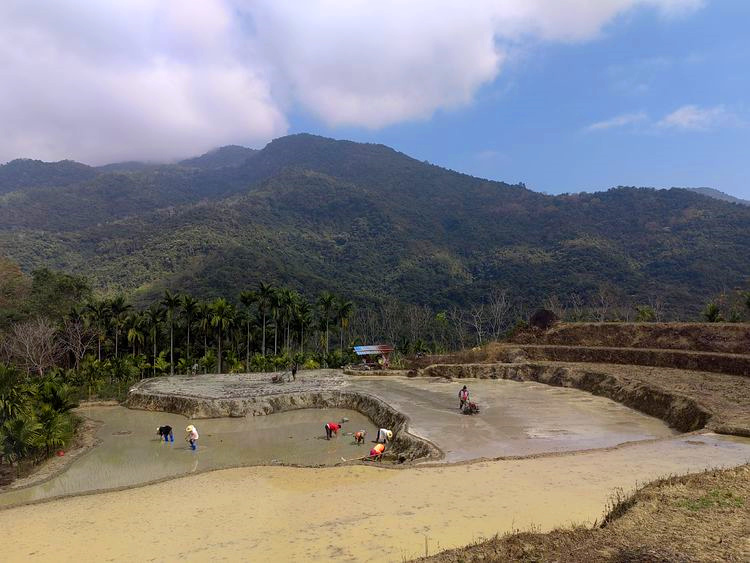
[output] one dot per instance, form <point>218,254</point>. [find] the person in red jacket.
<point>331,429</point>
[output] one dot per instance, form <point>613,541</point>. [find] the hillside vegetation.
<point>364,220</point>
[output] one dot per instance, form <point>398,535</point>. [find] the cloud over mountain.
<point>102,81</point>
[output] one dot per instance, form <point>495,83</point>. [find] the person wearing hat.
<point>165,432</point>
<point>384,436</point>
<point>192,436</point>
<point>376,453</point>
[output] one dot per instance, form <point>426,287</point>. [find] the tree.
<point>248,299</point>
<point>189,310</point>
<point>18,437</point>
<point>223,314</point>
<point>54,428</point>
<point>204,322</point>
<point>265,296</point>
<point>325,305</point>
<point>16,394</point>
<point>154,315</point>
<point>136,337</point>
<point>118,307</point>
<point>304,320</point>
<point>98,313</point>
<point>34,344</point>
<point>645,314</point>
<point>344,310</point>
<point>171,301</point>
<point>75,338</point>
<point>712,313</point>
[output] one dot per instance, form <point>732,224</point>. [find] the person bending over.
<point>331,429</point>
<point>376,453</point>
<point>192,437</point>
<point>166,433</point>
<point>384,436</point>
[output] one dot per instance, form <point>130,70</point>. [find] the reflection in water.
<point>131,453</point>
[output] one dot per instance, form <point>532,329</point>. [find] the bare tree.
<point>576,307</point>
<point>603,302</point>
<point>476,321</point>
<point>657,306</point>
<point>76,339</point>
<point>418,321</point>
<point>34,345</point>
<point>457,319</point>
<point>498,308</point>
<point>554,304</point>
<point>390,316</point>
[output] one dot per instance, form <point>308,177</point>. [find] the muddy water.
<point>516,419</point>
<point>131,453</point>
<point>346,513</point>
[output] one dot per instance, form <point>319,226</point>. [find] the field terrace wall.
<point>726,338</point>
<point>682,413</point>
<point>405,445</point>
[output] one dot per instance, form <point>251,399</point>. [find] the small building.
<point>376,356</point>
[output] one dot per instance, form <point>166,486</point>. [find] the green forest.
<point>362,220</point>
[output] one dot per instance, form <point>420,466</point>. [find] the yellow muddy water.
<point>346,513</point>
<point>130,452</point>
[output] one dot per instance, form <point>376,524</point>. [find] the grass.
<point>698,517</point>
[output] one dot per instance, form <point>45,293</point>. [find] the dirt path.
<point>366,513</point>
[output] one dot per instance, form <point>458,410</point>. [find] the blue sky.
<point>564,95</point>
<point>532,123</point>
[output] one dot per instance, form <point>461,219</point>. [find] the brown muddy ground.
<point>343,513</point>
<point>701,517</point>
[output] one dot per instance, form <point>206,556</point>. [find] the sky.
<point>563,95</point>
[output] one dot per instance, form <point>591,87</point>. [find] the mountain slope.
<point>369,222</point>
<point>716,194</point>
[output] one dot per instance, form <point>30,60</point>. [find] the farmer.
<point>463,397</point>
<point>359,437</point>
<point>331,429</point>
<point>192,436</point>
<point>166,433</point>
<point>376,453</point>
<point>384,436</point>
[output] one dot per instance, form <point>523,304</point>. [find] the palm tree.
<point>15,394</point>
<point>154,315</point>
<point>276,306</point>
<point>189,310</point>
<point>18,437</point>
<point>303,318</point>
<point>265,295</point>
<point>204,322</point>
<point>223,314</point>
<point>171,301</point>
<point>325,304</point>
<point>118,307</point>
<point>134,323</point>
<point>248,298</point>
<point>344,310</point>
<point>98,313</point>
<point>55,428</point>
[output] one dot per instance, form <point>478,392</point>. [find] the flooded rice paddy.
<point>131,453</point>
<point>516,418</point>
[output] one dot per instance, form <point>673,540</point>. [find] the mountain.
<point>24,172</point>
<point>369,222</point>
<point>230,155</point>
<point>716,194</point>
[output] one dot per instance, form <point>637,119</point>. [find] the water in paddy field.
<point>515,419</point>
<point>131,453</point>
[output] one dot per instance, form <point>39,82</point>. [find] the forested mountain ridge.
<point>369,222</point>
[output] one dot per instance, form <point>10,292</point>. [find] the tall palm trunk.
<point>171,346</point>
<point>188,341</point>
<point>219,359</point>
<point>247,348</point>
<point>117,339</point>
<point>264,333</point>
<point>154,338</point>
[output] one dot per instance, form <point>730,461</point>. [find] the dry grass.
<point>700,517</point>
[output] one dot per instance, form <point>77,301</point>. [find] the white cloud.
<point>692,117</point>
<point>618,121</point>
<point>102,81</point>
